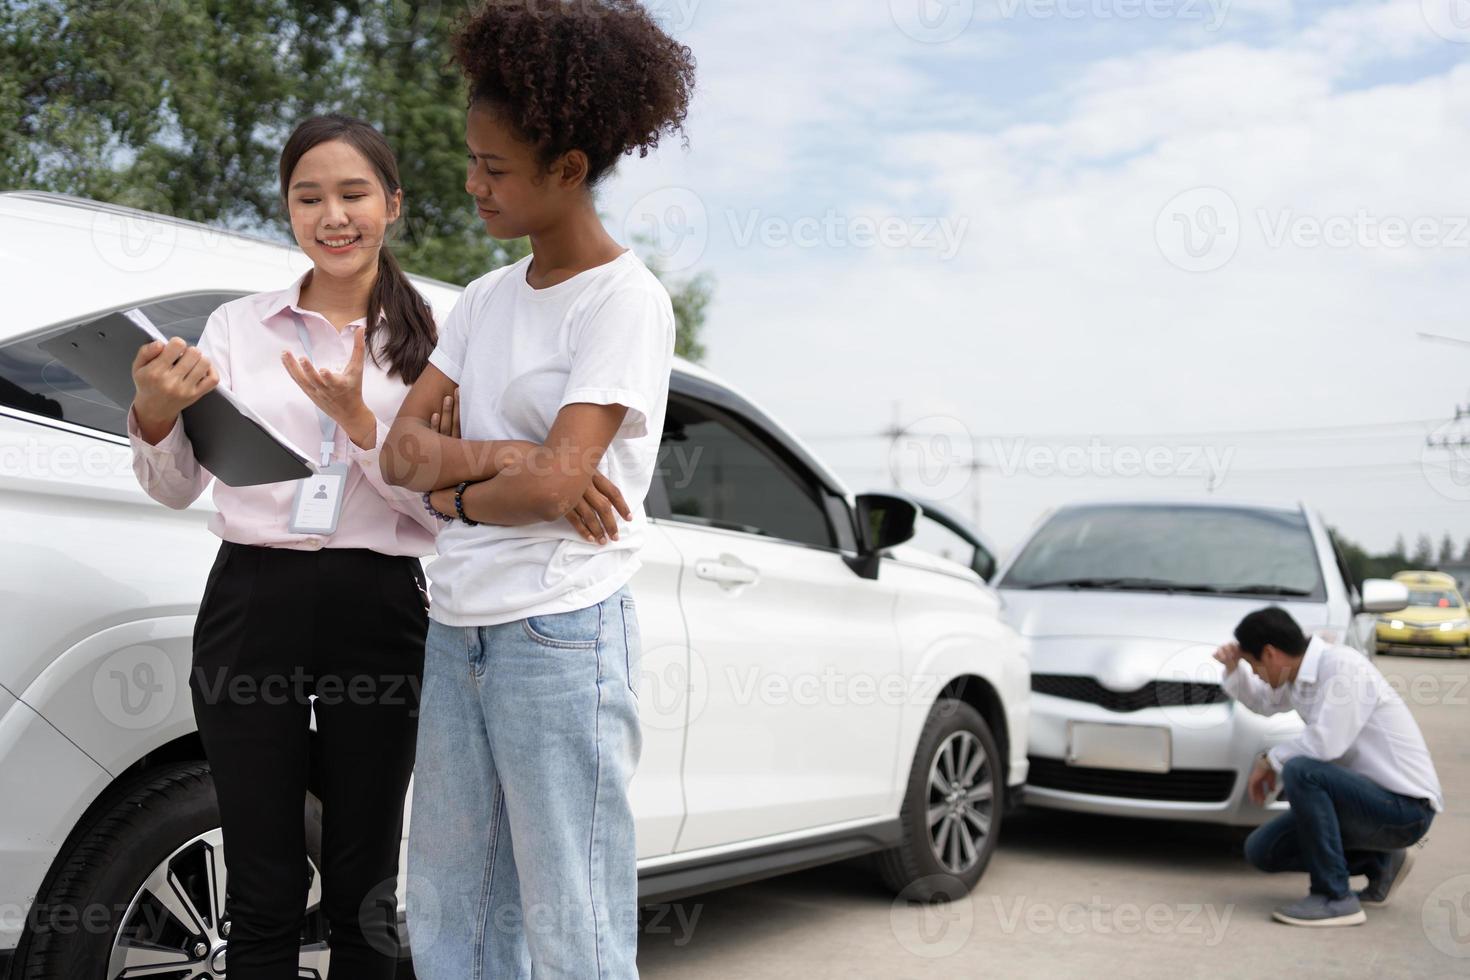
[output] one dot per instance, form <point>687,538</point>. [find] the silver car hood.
<point>1126,639</point>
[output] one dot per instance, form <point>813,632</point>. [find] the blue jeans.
<point>1340,824</point>
<point>521,851</point>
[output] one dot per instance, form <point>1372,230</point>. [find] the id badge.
<point>319,501</point>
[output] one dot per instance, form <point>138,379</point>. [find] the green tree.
<point>174,106</point>
<point>181,107</point>
<point>1423,552</point>
<point>691,298</point>
<point>405,84</point>
<point>1446,549</point>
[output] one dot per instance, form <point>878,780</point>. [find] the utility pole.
<point>975,466</point>
<point>1446,442</point>
<point>893,433</point>
<point>1461,411</point>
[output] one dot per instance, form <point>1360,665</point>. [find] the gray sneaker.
<point>1319,910</point>
<point>1380,889</point>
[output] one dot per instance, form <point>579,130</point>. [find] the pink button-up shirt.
<point>243,339</point>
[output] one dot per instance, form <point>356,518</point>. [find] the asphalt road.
<point>1084,896</point>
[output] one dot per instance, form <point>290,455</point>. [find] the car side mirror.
<point>1381,595</point>
<point>883,520</point>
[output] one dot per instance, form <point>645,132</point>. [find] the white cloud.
<point>1060,313</point>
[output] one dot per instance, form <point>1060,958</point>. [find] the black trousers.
<point>275,627</point>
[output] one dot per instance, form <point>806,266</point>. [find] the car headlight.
<point>1397,624</point>
<point>1454,624</point>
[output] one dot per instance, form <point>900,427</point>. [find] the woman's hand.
<point>338,393</point>
<point>446,420</point>
<point>595,517</point>
<point>169,378</point>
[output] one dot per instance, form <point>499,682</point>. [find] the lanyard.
<point>324,421</point>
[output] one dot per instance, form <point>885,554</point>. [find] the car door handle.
<point>728,571</point>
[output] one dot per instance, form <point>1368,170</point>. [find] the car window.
<point>1342,568</point>
<point>34,381</point>
<point>937,539</point>
<point>1438,598</point>
<point>985,563</point>
<point>1205,549</point>
<point>720,472</point>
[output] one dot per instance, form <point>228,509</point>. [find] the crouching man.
<point>1359,779</point>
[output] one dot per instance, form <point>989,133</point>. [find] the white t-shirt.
<point>604,336</point>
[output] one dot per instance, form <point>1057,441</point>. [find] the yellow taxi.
<point>1434,621</point>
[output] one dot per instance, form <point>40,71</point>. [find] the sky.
<point>1018,253</point>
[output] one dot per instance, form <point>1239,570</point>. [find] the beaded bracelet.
<point>438,514</point>
<point>459,504</point>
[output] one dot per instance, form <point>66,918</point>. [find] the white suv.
<point>807,694</point>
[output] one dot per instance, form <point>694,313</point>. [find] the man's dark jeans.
<point>1340,824</point>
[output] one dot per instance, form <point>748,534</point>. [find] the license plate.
<point>1138,748</point>
<point>1423,636</point>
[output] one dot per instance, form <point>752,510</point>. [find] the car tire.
<point>915,869</point>
<point>98,884</point>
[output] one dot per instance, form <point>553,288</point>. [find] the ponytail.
<point>409,324</point>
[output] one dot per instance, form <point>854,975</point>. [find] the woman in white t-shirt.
<point>521,853</point>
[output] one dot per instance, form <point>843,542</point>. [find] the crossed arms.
<point>512,482</point>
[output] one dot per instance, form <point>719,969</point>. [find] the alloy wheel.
<point>177,927</point>
<point>961,802</point>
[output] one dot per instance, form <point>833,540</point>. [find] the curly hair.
<point>599,76</point>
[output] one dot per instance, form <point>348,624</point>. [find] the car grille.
<point>1154,694</point>
<point>1178,786</point>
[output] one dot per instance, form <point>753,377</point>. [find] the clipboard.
<point>238,447</point>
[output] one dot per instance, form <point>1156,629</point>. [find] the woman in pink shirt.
<point>288,614</point>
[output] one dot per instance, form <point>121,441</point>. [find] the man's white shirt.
<point>1353,717</point>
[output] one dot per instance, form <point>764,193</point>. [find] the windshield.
<point>1438,598</point>
<point>1163,548</point>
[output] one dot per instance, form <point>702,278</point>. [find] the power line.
<point>1442,338</point>
<point>1288,432</point>
<point>1404,467</point>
